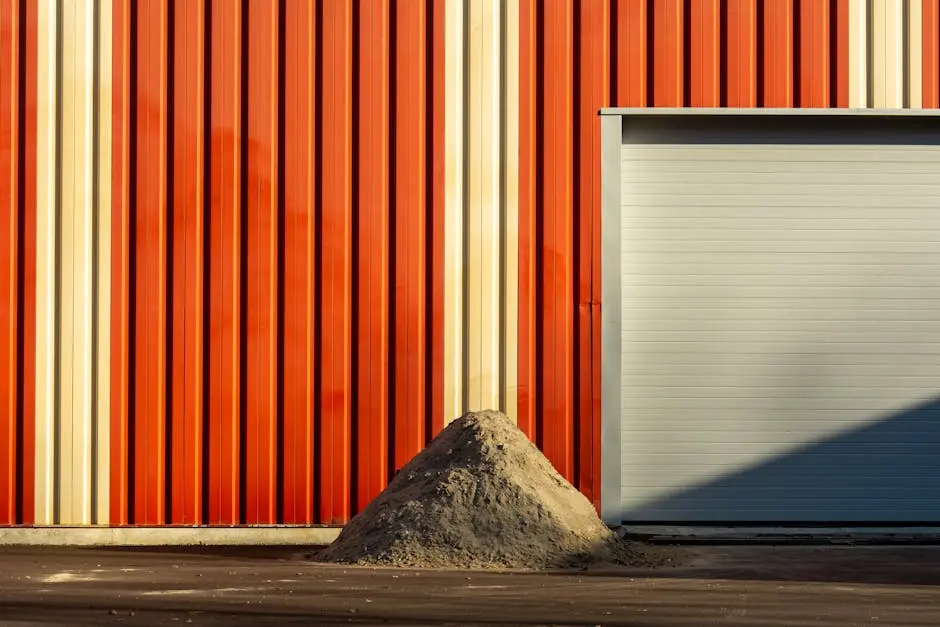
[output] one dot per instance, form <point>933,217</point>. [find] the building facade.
<point>254,254</point>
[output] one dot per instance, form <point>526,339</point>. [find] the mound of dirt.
<point>481,495</point>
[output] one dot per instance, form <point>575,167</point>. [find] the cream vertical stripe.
<point>887,54</point>
<point>103,287</point>
<point>914,50</point>
<point>46,194</point>
<point>511,208</point>
<point>858,54</point>
<point>76,262</point>
<point>483,206</point>
<point>453,207</point>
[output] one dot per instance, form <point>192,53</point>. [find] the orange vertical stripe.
<point>120,263</point>
<point>557,289</point>
<point>299,279</point>
<point>740,55</point>
<point>224,359</point>
<point>593,91</point>
<point>528,176</point>
<point>187,269</point>
<point>705,35</point>
<point>632,46</point>
<point>151,264</point>
<point>778,57</point>
<point>668,52</point>
<point>436,216</point>
<point>840,54</point>
<point>815,62</point>
<point>10,45</point>
<point>336,207</point>
<point>372,243</point>
<point>931,54</point>
<point>410,230</point>
<point>261,282</point>
<point>27,472</point>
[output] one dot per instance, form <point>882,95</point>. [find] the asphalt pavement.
<point>740,585</point>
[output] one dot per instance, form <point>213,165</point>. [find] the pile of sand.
<point>481,495</point>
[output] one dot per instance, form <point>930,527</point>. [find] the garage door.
<point>779,353</point>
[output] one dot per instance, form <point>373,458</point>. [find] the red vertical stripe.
<point>815,59</point>
<point>437,219</point>
<point>557,290</point>
<point>668,50</point>
<point>28,268</point>
<point>632,46</point>
<point>336,207</point>
<point>188,190</point>
<point>373,241</point>
<point>120,263</point>
<point>778,57</point>
<point>150,280</point>
<point>528,178</point>
<point>299,279</point>
<point>741,53</point>
<point>10,45</point>
<point>410,230</point>
<point>704,38</point>
<point>262,225</point>
<point>593,91</point>
<point>840,53</point>
<point>224,357</point>
<point>931,54</point>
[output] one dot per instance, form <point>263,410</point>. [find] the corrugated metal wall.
<point>254,253</point>
<point>285,348</point>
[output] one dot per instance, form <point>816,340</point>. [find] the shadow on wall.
<point>887,471</point>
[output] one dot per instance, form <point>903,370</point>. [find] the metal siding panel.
<point>510,182</point>
<point>46,268</point>
<point>336,238</point>
<point>119,497</point>
<point>188,262</point>
<point>483,206</point>
<point>704,55</point>
<point>858,42</point>
<point>410,224</point>
<point>261,224</point>
<point>528,225</point>
<point>840,52</point>
<point>150,258</point>
<point>668,52</point>
<point>10,202</point>
<point>740,54</point>
<point>814,55</point>
<point>887,54</point>
<point>778,54</point>
<point>914,30</point>
<point>28,268</point>
<point>102,311</point>
<point>373,250</point>
<point>225,318</point>
<point>594,93</point>
<point>299,194</point>
<point>454,209</point>
<point>632,49</point>
<point>557,343</point>
<point>930,65</point>
<point>438,214</point>
<point>77,264</point>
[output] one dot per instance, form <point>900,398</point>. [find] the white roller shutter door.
<point>780,356</point>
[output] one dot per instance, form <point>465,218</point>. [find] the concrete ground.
<point>740,585</point>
